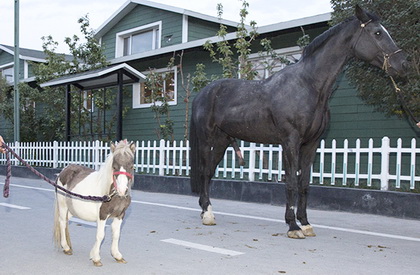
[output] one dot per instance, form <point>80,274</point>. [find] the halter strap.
<point>114,182</point>
<point>386,63</point>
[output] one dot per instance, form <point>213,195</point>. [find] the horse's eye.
<point>378,33</point>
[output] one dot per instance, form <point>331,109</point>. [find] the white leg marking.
<point>208,217</point>
<point>116,230</point>
<point>100,234</point>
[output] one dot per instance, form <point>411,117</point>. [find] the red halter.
<point>130,176</point>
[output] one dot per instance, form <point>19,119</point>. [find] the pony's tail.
<point>195,159</point>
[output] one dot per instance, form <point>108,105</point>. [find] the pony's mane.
<point>324,37</point>
<point>123,147</point>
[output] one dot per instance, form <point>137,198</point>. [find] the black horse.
<point>289,108</point>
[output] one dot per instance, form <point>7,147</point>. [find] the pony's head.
<point>374,44</point>
<point>122,166</point>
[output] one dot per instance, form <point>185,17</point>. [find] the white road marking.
<point>378,234</point>
<point>204,247</point>
<point>14,206</point>
<point>30,187</point>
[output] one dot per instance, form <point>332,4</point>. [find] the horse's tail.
<point>195,159</point>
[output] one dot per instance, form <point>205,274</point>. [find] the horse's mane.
<point>324,37</point>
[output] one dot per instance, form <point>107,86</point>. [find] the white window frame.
<point>6,67</point>
<point>137,90</point>
<point>290,53</point>
<point>157,37</point>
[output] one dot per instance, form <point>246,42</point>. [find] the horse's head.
<point>374,44</point>
<point>123,166</point>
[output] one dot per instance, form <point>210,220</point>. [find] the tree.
<point>45,121</point>
<point>401,18</point>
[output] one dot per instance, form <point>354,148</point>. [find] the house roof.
<point>325,17</point>
<point>29,54</point>
<point>100,78</point>
<point>131,4</point>
<point>26,54</point>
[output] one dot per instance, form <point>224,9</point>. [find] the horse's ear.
<point>133,147</point>
<point>361,14</point>
<point>112,146</point>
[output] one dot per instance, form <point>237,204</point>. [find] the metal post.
<point>68,112</point>
<point>16,114</point>
<point>119,105</point>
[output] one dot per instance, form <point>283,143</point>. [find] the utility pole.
<point>16,76</point>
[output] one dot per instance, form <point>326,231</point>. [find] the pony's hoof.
<point>295,234</point>
<point>308,230</point>
<point>121,261</point>
<point>68,252</point>
<point>208,218</point>
<point>97,263</point>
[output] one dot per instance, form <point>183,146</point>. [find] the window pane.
<point>8,73</point>
<point>142,42</point>
<point>126,46</point>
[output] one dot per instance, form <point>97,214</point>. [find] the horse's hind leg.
<point>100,234</point>
<point>61,230</point>
<point>309,152</point>
<point>210,158</point>
<point>116,229</point>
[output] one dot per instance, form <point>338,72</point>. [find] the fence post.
<point>251,171</point>
<point>385,151</point>
<point>55,154</point>
<point>162,158</point>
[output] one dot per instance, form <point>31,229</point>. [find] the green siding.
<point>140,16</point>
<point>199,29</point>
<point>351,118</point>
<point>5,58</point>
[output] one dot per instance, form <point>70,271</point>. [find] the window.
<point>138,40</point>
<point>87,98</point>
<point>167,82</point>
<point>8,73</point>
<point>266,65</point>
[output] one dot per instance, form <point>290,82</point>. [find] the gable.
<point>171,24</point>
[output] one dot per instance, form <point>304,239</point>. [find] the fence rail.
<point>384,167</point>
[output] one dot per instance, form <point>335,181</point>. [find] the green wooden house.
<point>144,35</point>
<point>165,31</point>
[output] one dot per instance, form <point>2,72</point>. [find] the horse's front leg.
<point>116,230</point>
<point>100,234</point>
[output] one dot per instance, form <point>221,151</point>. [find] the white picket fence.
<point>384,167</point>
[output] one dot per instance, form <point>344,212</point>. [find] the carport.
<point>112,76</point>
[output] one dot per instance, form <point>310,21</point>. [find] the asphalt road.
<point>162,234</point>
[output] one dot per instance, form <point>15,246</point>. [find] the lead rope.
<point>385,67</point>
<point>6,190</point>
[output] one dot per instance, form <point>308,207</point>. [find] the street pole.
<point>16,76</point>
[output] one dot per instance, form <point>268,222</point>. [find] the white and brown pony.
<point>114,178</point>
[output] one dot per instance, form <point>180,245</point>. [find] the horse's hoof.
<point>308,230</point>
<point>208,218</point>
<point>295,234</point>
<point>68,252</point>
<point>121,261</point>
<point>97,263</point>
